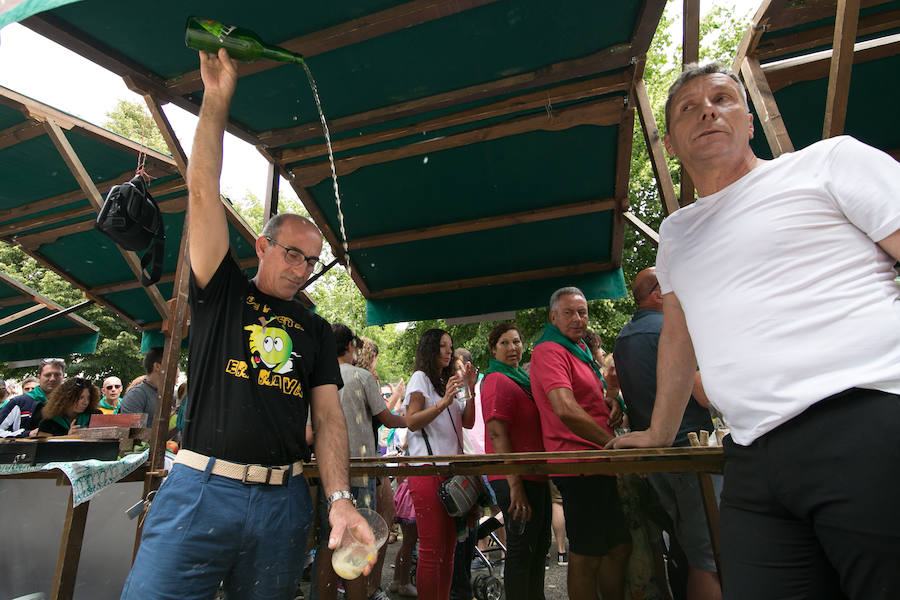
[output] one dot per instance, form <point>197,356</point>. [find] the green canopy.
<point>792,43</point>
<point>51,163</point>
<point>483,146</point>
<point>19,306</point>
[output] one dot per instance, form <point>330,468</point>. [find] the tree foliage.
<point>134,121</point>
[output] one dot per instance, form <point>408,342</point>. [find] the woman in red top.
<point>513,424</point>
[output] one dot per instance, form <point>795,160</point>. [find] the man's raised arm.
<point>208,228</point>
<point>675,369</point>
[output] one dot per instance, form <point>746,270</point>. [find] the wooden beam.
<point>53,334</point>
<point>345,34</point>
<point>78,284</point>
<point>500,279</point>
<point>690,45</point>
<point>111,288</point>
<point>87,186</point>
<point>600,113</point>
<point>19,133</point>
<point>623,172</point>
<point>48,236</point>
<point>484,223</point>
<point>766,107</point>
<point>22,313</point>
<point>63,33</point>
<point>618,82</point>
<point>753,34</point>
<point>814,66</point>
<point>312,207</point>
<point>642,228</point>
<point>664,183</point>
<point>31,208</point>
<point>69,551</point>
<point>787,14</point>
<point>169,367</point>
<point>611,58</point>
<point>270,206</point>
<point>165,128</point>
<point>808,39</point>
<point>841,65</point>
<point>42,112</point>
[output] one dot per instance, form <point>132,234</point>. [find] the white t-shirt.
<point>787,297</point>
<point>444,431</point>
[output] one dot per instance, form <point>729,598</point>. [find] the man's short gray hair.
<point>694,70</point>
<point>566,291</point>
<point>274,224</point>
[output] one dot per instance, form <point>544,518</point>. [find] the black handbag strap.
<point>428,444</point>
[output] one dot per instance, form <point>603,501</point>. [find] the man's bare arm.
<point>563,402</point>
<point>698,392</point>
<point>891,245</point>
<point>207,226</point>
<point>331,438</point>
<point>333,460</point>
<point>675,369</point>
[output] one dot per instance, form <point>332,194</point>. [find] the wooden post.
<point>69,550</point>
<point>766,107</point>
<point>642,228</point>
<point>711,506</point>
<point>845,23</point>
<point>655,150</point>
<point>172,348</point>
<point>690,53</point>
<point>270,207</point>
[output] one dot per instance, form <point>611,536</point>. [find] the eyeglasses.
<point>114,386</point>
<point>655,285</point>
<point>295,257</point>
<point>53,361</point>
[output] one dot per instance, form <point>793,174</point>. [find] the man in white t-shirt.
<point>778,283</point>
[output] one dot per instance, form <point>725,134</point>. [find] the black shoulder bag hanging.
<point>131,218</point>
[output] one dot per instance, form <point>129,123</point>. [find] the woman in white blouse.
<point>434,415</point>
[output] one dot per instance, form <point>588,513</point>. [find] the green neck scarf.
<point>82,420</point>
<point>553,334</point>
<point>105,404</point>
<point>38,394</point>
<point>516,374</point>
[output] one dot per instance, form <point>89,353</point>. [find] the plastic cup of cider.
<point>357,547</point>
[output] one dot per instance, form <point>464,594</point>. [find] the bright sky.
<point>43,70</point>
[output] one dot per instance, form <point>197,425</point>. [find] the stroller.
<point>487,586</point>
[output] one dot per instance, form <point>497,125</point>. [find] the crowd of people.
<point>787,356</point>
<point>51,404</point>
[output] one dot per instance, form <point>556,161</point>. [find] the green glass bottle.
<point>207,35</point>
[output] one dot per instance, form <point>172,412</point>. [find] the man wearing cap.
<point>779,282</point>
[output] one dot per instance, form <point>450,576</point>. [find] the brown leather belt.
<point>260,474</point>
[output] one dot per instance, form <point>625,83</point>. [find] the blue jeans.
<point>203,529</point>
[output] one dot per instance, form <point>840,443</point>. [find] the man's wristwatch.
<point>341,495</point>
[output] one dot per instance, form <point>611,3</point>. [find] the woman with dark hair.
<point>70,407</point>
<point>435,420</point>
<point>513,424</point>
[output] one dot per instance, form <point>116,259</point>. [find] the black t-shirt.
<point>253,360</point>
